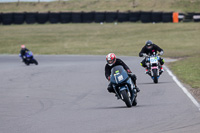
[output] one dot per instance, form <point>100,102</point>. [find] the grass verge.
<point>188,71</point>
<point>103,5</point>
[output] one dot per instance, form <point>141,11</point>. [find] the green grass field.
<point>104,5</point>
<point>178,41</point>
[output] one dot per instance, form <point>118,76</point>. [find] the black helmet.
<point>149,44</point>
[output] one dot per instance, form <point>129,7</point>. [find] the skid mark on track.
<point>44,106</point>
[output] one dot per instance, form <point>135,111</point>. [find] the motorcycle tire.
<point>155,77</point>
<point>126,99</point>
<point>27,63</point>
<point>36,63</point>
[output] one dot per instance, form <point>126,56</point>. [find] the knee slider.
<point>134,77</point>
<point>110,89</point>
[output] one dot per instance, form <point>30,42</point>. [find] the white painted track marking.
<point>183,88</point>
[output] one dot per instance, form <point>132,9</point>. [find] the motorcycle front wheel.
<point>34,61</point>
<point>155,77</point>
<point>126,98</point>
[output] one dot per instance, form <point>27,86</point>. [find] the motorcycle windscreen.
<point>118,75</point>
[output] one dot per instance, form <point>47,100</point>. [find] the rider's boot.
<point>111,90</point>
<point>137,89</point>
<point>147,71</point>
<point>134,78</point>
<point>117,96</point>
<point>161,70</point>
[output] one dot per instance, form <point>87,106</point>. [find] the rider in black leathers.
<point>113,61</point>
<point>23,52</point>
<point>149,49</point>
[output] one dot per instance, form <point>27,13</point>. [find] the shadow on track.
<point>121,107</point>
<point>154,83</point>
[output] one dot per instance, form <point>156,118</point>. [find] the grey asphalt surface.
<point>67,94</point>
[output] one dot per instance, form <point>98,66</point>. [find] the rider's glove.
<point>161,52</point>
<point>129,71</point>
<point>144,54</point>
<point>108,78</point>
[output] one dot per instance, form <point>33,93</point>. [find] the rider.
<point>23,52</point>
<point>113,61</point>
<point>149,49</point>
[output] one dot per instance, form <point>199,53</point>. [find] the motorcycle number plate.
<point>153,60</point>
<point>120,78</point>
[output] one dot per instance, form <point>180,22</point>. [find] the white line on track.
<point>183,88</point>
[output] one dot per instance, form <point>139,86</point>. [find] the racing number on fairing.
<point>153,60</point>
<point>120,78</point>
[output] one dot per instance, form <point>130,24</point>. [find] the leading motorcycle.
<point>28,58</point>
<point>123,86</point>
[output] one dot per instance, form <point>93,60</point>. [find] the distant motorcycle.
<point>123,86</point>
<point>154,67</point>
<point>28,58</point>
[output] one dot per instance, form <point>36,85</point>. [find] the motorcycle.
<point>123,86</point>
<point>153,66</point>
<point>28,58</point>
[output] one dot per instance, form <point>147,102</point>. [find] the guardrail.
<point>96,17</point>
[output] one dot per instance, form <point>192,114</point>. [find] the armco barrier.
<point>18,18</point>
<point>110,17</point>
<point>30,18</point>
<point>134,16</point>
<point>7,18</point>
<point>54,17</point>
<point>122,17</point>
<point>167,17</point>
<point>99,17</point>
<point>65,17</point>
<point>87,17</point>
<point>145,17</point>
<point>156,17</point>
<point>42,18</point>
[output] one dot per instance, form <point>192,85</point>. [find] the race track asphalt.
<point>67,94</point>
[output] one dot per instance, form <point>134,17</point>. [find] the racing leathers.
<point>150,52</point>
<point>23,52</point>
<point>108,72</point>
